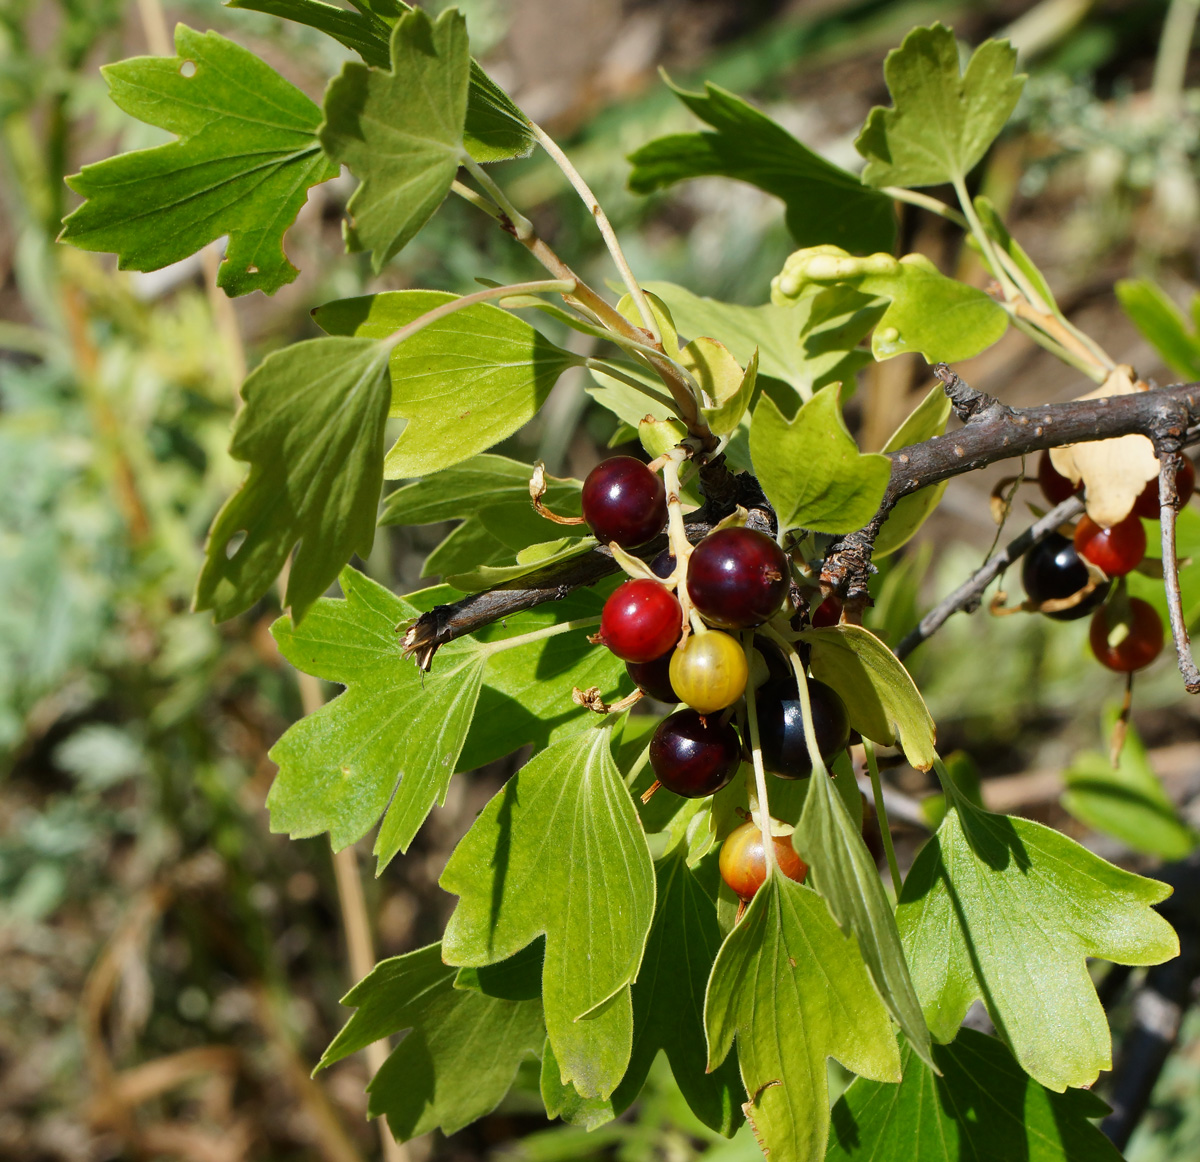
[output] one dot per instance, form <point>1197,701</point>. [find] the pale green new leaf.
<point>529,560</point>
<point>460,1054</point>
<point>464,383</point>
<point>1128,802</point>
<point>668,1000</point>
<point>495,128</point>
<point>811,468</point>
<point>1007,911</point>
<point>909,513</point>
<point>559,851</point>
<point>246,156</point>
<point>879,693</point>
<point>941,123</point>
<point>939,317</point>
<point>794,991</point>
<point>393,740</point>
<point>312,431</point>
<point>844,872</point>
<point>1162,324</point>
<point>725,418</point>
<point>984,1107</point>
<point>400,132</point>
<point>824,203</point>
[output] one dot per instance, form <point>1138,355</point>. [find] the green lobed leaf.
<point>883,700</point>
<point>389,745</point>
<point>811,468</point>
<point>983,1107</point>
<point>941,318</point>
<point>492,494</point>
<point>246,156</point>
<point>1162,324</point>
<point>909,513</point>
<point>844,872</point>
<point>1128,802</point>
<point>495,128</point>
<point>824,203</point>
<point>668,1000</point>
<point>460,1055</point>
<point>559,851</point>
<point>464,383</point>
<point>794,991</point>
<point>941,123</point>
<point>400,132</point>
<point>1008,911</point>
<point>312,431</point>
<point>562,1099</point>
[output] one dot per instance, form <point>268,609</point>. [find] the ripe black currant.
<point>737,577</point>
<point>694,755</point>
<point>1053,570</point>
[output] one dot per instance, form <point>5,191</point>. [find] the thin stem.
<point>540,286</point>
<point>478,200</point>
<point>1085,365</point>
<point>1168,497</point>
<point>536,635</point>
<point>985,243</point>
<point>522,226</point>
<point>885,828</point>
<point>638,766</point>
<point>1067,335</point>
<point>1174,44</point>
<point>614,372</point>
<point>760,773</point>
<point>607,232</point>
<point>926,202</point>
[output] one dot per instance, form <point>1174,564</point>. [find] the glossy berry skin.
<point>641,621</point>
<point>781,728</point>
<point>1118,550</point>
<point>654,678</point>
<point>737,578</point>
<point>1055,486</point>
<point>1147,504</point>
<point>742,864</point>
<point>694,755</point>
<point>709,671</point>
<point>828,613</point>
<point>1142,644</point>
<point>1052,570</point>
<point>624,501</point>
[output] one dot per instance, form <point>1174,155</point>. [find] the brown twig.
<point>970,593</point>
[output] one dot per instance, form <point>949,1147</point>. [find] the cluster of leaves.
<point>590,931</point>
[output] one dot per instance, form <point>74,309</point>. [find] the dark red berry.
<point>624,501</point>
<point>1118,550</point>
<point>1055,486</point>
<point>1147,504</point>
<point>1140,644</point>
<point>737,578</point>
<point>828,613</point>
<point>641,621</point>
<point>694,755</point>
<point>1053,570</point>
<point>742,864</point>
<point>781,734</point>
<point>663,564</point>
<point>654,678</point>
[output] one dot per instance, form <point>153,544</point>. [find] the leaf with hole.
<point>246,156</point>
<point>312,432</point>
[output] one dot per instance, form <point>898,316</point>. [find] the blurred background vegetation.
<point>169,970</point>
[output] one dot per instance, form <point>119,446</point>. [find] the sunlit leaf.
<point>1007,911</point>
<point>246,156</point>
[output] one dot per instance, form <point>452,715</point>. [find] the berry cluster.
<point>1126,634</point>
<point>672,630</point>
